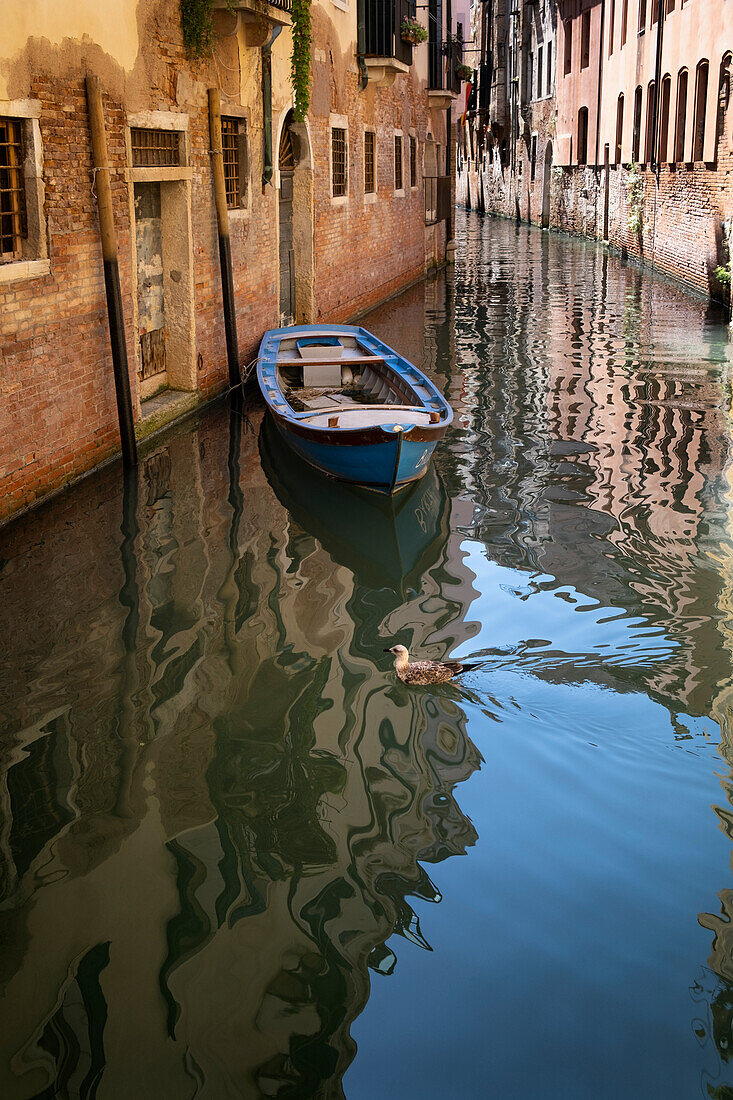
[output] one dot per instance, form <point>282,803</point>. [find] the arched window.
<point>583,135</point>
<point>723,100</point>
<point>619,129</point>
<point>649,139</point>
<point>681,119</point>
<point>701,95</point>
<point>636,133</point>
<point>663,152</point>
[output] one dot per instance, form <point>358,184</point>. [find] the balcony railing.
<point>443,60</point>
<point>283,5</point>
<point>437,198</point>
<point>379,28</point>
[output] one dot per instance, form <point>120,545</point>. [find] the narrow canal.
<point>240,859</point>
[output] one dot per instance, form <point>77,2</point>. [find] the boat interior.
<point>333,374</point>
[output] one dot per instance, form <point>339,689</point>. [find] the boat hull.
<point>377,459</point>
<point>383,443</point>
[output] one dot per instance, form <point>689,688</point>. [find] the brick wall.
<point>58,415</point>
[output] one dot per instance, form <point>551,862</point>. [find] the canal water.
<point>240,859</point>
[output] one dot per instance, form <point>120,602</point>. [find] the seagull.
<point>424,672</point>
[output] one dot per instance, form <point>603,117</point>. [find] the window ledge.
<point>24,269</point>
<point>370,196</point>
<point>160,174</point>
<point>339,200</point>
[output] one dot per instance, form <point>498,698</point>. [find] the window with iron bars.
<point>413,161</point>
<point>234,147</point>
<point>13,223</point>
<point>369,163</point>
<point>155,148</point>
<point>398,162</point>
<point>339,167</point>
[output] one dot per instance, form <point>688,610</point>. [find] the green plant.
<point>412,31</point>
<point>300,60</point>
<point>464,72</point>
<point>635,192</point>
<point>197,22</point>
<point>722,274</point>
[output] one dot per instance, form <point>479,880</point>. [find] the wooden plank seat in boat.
<point>365,416</point>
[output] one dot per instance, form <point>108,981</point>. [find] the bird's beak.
<point>387,649</point>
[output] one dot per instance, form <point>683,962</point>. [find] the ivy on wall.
<point>197,21</point>
<point>198,26</point>
<point>300,61</point>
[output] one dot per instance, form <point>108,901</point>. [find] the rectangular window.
<point>568,46</point>
<point>642,16</point>
<point>533,161</point>
<point>585,41</point>
<point>549,68</point>
<point>338,162</point>
<point>155,148</point>
<point>13,225</point>
<point>398,162</point>
<point>413,162</point>
<point>539,72</point>
<point>369,163</point>
<point>624,21</point>
<point>234,146</point>
<point>611,21</point>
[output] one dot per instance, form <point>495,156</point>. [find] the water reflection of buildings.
<point>214,816</point>
<point>601,414</point>
<point>601,467</point>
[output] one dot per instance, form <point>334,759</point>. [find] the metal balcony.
<point>385,54</point>
<point>443,60</point>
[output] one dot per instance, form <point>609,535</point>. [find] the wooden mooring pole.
<point>225,252</point>
<point>111,272</point>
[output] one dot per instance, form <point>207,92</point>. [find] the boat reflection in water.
<point>330,792</point>
<point>385,541</point>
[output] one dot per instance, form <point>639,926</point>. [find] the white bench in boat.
<point>366,416</point>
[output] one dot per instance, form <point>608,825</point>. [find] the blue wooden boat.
<point>349,405</point>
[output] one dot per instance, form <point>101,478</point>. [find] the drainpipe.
<point>267,157</point>
<point>600,84</point>
<point>111,272</point>
<point>657,88</point>
<point>225,251</point>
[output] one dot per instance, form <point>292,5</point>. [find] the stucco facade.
<point>299,251</point>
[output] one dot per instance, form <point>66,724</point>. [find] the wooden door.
<point>286,165</point>
<point>151,373</point>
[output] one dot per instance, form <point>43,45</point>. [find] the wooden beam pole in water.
<point>111,272</point>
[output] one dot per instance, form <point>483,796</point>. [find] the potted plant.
<point>413,32</point>
<point>464,72</point>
